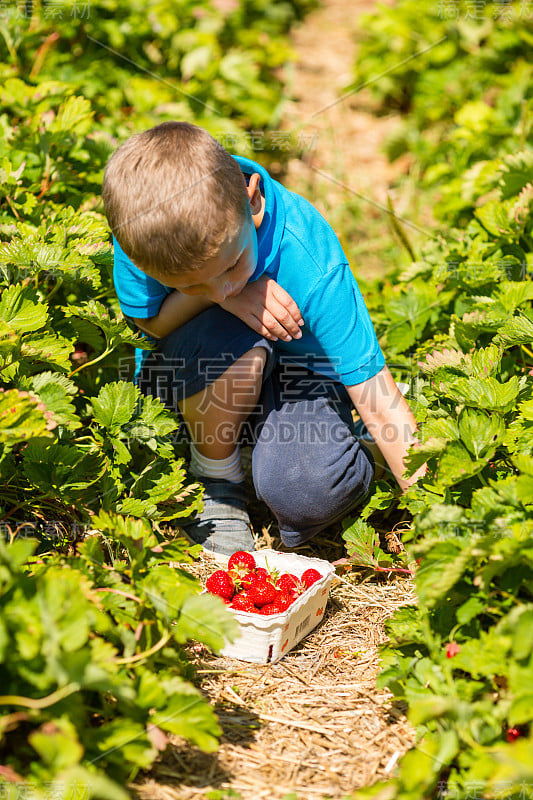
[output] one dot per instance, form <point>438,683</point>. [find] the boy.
<point>262,333</point>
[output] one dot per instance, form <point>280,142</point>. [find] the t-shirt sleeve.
<point>139,295</point>
<point>341,323</point>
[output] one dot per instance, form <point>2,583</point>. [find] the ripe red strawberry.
<point>261,593</point>
<point>221,583</point>
<point>241,563</point>
<point>310,576</point>
<point>511,734</point>
<point>259,575</point>
<point>242,602</point>
<point>284,600</point>
<point>247,580</point>
<point>269,608</point>
<point>287,582</point>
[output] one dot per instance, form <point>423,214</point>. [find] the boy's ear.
<point>254,193</point>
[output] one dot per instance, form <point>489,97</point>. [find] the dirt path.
<point>346,137</point>
<point>342,169</point>
<point>312,724</point>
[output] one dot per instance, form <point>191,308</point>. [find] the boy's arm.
<point>389,420</point>
<point>175,310</point>
<point>263,305</point>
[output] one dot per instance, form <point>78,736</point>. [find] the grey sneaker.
<point>224,525</point>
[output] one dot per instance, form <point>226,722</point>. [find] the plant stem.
<point>41,702</point>
<point>89,363</point>
<point>157,646</point>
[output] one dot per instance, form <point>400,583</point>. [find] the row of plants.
<point>465,61</point>
<point>459,320</point>
<point>95,619</point>
<point>218,63</point>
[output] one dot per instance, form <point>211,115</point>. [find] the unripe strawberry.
<point>452,649</point>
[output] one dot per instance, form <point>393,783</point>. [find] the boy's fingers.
<point>286,300</point>
<point>274,326</point>
<point>286,325</point>
<point>284,315</point>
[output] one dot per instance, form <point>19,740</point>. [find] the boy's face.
<point>224,275</point>
<point>227,273</point>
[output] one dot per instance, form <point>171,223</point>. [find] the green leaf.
<point>124,741</point>
<point>22,418</point>
<point>480,431</point>
<point>521,712</point>
<point>196,61</point>
<point>362,544</point>
<point>61,469</point>
<point>74,115</point>
<point>486,361</point>
<point>115,404</point>
<point>439,359</point>
<point>420,452</point>
<point>205,618</point>
<point>523,635</point>
<point>516,171</point>
<point>517,330</point>
<point>153,420</point>
<point>189,715</point>
<point>487,393</point>
<point>47,347</point>
<point>430,708</point>
<point>116,331</point>
<point>135,507</point>
<point>441,568</point>
<point>494,216</point>
<point>20,308</point>
<point>469,610</point>
<point>54,390</point>
<point>57,744</point>
<point>456,465</point>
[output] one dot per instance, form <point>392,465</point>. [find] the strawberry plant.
<point>137,63</point>
<point>92,663</point>
<point>460,320</point>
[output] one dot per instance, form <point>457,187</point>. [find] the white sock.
<point>228,468</point>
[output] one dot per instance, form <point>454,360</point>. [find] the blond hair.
<point>172,195</point>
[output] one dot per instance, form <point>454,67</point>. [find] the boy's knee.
<point>253,361</point>
<point>308,494</point>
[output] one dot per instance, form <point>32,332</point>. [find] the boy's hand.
<point>268,309</point>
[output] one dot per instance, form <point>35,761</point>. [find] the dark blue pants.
<point>308,466</point>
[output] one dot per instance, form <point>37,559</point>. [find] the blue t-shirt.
<point>299,249</point>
